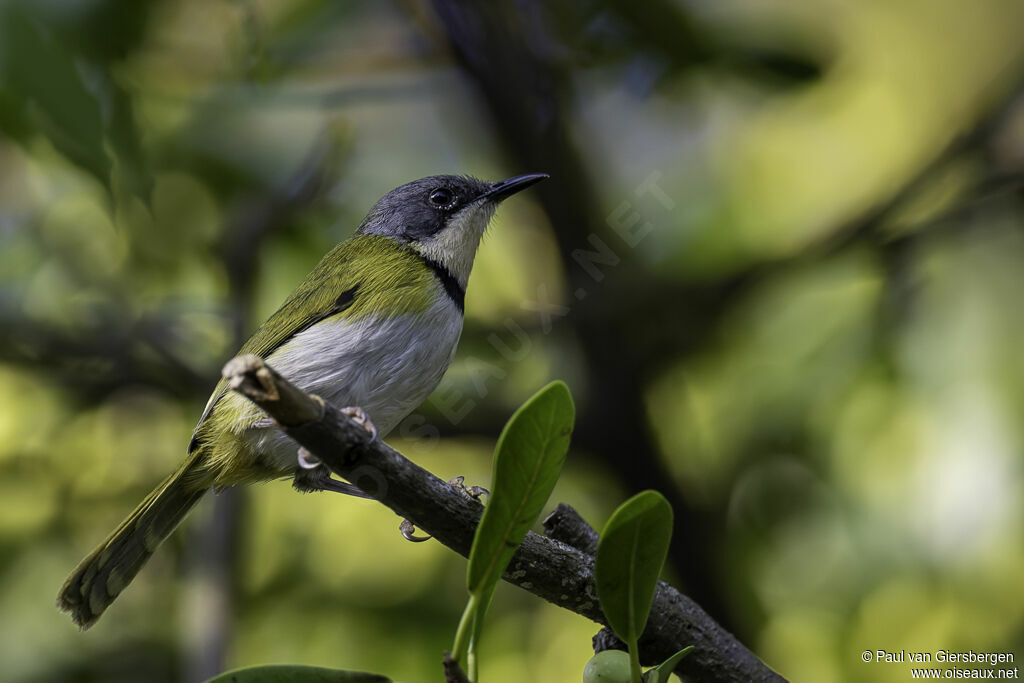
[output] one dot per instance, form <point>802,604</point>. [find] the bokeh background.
<point>780,263</point>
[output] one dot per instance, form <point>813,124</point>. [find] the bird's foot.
<point>308,461</point>
<point>408,530</point>
<point>313,475</point>
<point>360,417</point>
<point>407,527</point>
<point>474,492</point>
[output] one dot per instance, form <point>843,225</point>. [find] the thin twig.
<point>453,673</point>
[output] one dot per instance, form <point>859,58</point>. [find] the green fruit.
<point>608,666</point>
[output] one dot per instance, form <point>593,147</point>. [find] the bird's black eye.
<point>442,197</point>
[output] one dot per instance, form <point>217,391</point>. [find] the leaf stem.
<point>471,662</point>
<point>460,649</point>
<point>636,674</point>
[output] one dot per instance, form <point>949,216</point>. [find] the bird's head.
<point>443,217</point>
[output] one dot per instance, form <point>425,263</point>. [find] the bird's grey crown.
<point>407,213</point>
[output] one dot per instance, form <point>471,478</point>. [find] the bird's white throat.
<point>455,246</point>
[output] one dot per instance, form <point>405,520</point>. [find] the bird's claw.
<point>359,416</point>
<point>408,530</point>
<point>478,491</point>
<point>474,492</point>
<point>307,460</point>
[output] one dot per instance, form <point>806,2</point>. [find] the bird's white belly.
<point>386,366</point>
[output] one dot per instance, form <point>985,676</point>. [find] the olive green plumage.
<point>101,576</point>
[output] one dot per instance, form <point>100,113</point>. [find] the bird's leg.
<point>313,475</point>
<point>473,492</point>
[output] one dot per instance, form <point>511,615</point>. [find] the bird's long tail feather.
<point>101,576</point>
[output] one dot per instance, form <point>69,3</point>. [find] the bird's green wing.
<point>297,314</point>
<point>360,277</point>
<point>329,290</point>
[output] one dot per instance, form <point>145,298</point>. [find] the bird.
<point>373,326</point>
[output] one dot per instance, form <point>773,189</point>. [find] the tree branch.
<point>550,569</point>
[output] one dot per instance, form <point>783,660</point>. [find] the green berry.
<point>608,666</point>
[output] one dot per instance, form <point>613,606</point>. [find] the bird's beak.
<point>506,188</point>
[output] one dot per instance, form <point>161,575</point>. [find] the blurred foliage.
<point>812,347</point>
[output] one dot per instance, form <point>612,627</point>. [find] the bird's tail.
<point>101,576</point>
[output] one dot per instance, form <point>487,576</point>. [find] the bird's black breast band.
<point>452,287</point>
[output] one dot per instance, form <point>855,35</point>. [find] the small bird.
<point>374,325</point>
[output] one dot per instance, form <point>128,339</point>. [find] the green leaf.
<point>630,554</point>
<point>288,673</point>
<point>527,462</point>
<point>661,673</point>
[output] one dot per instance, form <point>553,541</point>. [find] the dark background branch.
<point>505,52</point>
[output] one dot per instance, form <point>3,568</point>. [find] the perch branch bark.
<point>549,568</point>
